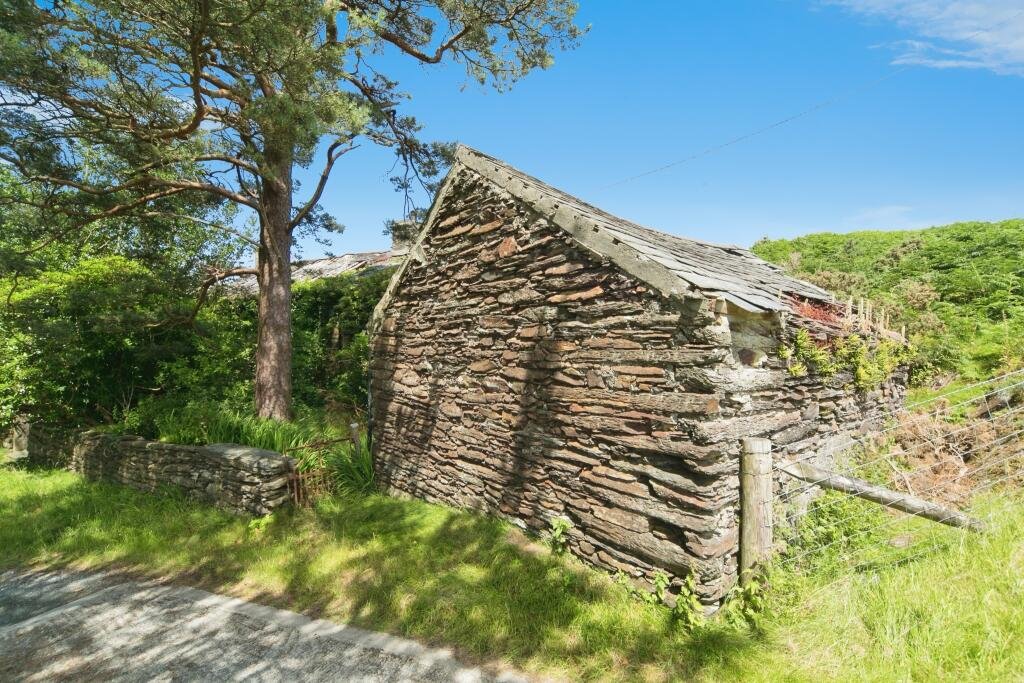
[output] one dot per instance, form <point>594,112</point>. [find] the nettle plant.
<point>869,363</point>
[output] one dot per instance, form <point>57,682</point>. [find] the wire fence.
<point>957,455</point>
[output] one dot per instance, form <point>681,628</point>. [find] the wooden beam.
<point>755,505</point>
<point>878,494</point>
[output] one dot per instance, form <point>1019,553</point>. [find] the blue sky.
<point>938,140</point>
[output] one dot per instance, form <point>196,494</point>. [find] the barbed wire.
<point>832,503</point>
<point>914,419</point>
<point>960,390</point>
<point>888,457</point>
<point>926,547</point>
<point>794,559</point>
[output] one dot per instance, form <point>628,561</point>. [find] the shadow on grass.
<point>440,575</point>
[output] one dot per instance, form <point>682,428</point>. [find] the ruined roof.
<point>672,265</point>
<point>332,266</point>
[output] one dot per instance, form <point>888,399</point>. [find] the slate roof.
<point>331,266</point>
<point>671,264</point>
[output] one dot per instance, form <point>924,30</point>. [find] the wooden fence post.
<point>354,433</point>
<point>755,505</point>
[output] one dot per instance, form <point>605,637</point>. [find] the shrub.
<point>315,444</point>
<point>83,344</point>
<point>959,289</point>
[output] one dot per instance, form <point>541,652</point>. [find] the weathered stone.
<point>507,247</point>
<point>564,269</point>
<point>518,374</point>
<point>583,295</point>
<point>555,381</point>
<point>237,478</point>
<point>451,409</point>
<point>484,365</point>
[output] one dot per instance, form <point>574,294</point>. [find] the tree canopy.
<point>118,108</point>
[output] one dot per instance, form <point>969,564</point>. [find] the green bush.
<point>331,350</point>
<point>958,289</point>
<point>107,340</point>
<point>84,344</point>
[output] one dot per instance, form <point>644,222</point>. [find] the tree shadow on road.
<point>443,576</point>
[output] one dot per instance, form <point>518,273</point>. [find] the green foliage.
<point>332,352</point>
<point>331,349</point>
<point>958,289</point>
<point>746,603</point>
<point>110,339</point>
<point>687,613</point>
<point>85,343</point>
<point>688,610</point>
<point>558,534</point>
<point>312,441</point>
<point>869,365</point>
<point>86,326</point>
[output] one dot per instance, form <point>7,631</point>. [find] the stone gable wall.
<point>236,478</point>
<point>514,373</point>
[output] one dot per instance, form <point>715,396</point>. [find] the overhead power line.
<point>799,115</point>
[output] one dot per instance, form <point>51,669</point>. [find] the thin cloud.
<point>953,34</point>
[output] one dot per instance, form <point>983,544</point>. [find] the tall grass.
<point>314,444</point>
<point>474,583</point>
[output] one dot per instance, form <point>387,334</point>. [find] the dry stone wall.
<point>513,372</point>
<point>16,440</point>
<point>236,478</point>
<point>807,417</point>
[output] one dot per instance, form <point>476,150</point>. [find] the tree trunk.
<point>274,347</point>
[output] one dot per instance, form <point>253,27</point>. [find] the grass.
<point>459,579</point>
<point>314,442</point>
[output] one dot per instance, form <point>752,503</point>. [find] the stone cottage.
<point>537,358</point>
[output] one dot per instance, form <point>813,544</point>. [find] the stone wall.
<point>48,447</point>
<point>236,478</point>
<point>516,373</point>
<point>16,440</point>
<point>800,414</point>
<point>805,417</point>
<point>513,372</point>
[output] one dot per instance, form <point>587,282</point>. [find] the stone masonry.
<point>236,478</point>
<point>519,370</point>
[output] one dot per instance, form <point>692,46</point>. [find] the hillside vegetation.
<point>959,289</point>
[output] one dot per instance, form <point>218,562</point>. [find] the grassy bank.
<point>467,581</point>
<point>958,289</point>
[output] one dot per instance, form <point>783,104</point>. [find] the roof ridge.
<point>463,150</point>
<point>672,264</point>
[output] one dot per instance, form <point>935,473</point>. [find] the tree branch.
<point>210,224</point>
<point>216,277</point>
<point>334,152</point>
